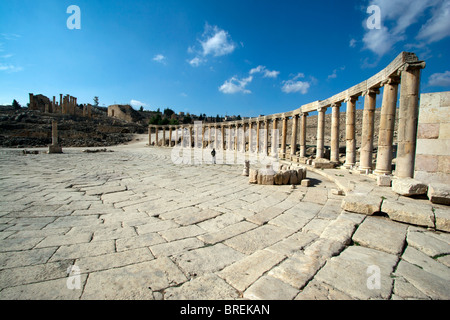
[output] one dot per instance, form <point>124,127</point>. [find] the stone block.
<point>293,177</point>
<point>408,187</point>
<point>361,203</point>
<point>253,176</point>
<point>384,181</point>
<point>278,178</point>
<point>439,193</point>
<point>427,163</point>
<point>323,164</point>
<point>306,183</point>
<point>409,211</point>
<point>286,177</point>
<point>442,219</point>
<point>428,131</point>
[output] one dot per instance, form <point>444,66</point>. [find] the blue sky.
<point>246,57</point>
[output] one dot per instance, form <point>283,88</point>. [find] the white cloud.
<point>397,16</point>
<point>439,79</point>
<point>160,58</point>
<point>137,103</point>
<point>291,86</point>
<point>438,27</point>
<point>352,43</point>
<point>195,62</point>
<point>234,85</point>
<point>266,73</point>
<point>216,42</point>
<point>10,68</point>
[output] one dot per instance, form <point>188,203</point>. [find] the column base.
<point>54,148</point>
<point>348,165</point>
<point>382,172</point>
<point>365,170</point>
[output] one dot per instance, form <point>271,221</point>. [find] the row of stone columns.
<point>408,77</point>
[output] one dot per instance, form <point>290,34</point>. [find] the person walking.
<point>213,154</point>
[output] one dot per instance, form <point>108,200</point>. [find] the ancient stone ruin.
<point>67,105</point>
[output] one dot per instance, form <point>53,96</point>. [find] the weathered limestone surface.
<point>409,187</point>
<point>205,233</point>
<point>361,203</point>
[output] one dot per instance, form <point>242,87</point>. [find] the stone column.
<point>275,136</point>
<point>53,105</point>
<point>334,154</point>
<point>170,136</point>
<point>258,127</point>
<point>304,115</point>
<point>61,103</point>
<point>156,136</point>
<point>365,162</point>
<point>176,135</point>
<point>250,137</point>
<point>266,136</point>
<point>320,132</point>
<point>283,137</point>
<point>164,136</point>
<point>294,135</point>
<point>244,142</point>
<point>209,137</point>
<point>149,135</point>
<point>386,131</point>
<point>54,147</point>
<point>407,119</point>
<point>190,135</point>
<point>223,136</point>
<point>350,136</point>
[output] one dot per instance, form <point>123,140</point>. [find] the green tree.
<point>16,105</point>
<point>187,119</point>
<point>156,119</point>
<point>168,112</point>
<point>96,101</point>
<point>141,109</point>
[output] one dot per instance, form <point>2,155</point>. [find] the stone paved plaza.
<point>130,224</point>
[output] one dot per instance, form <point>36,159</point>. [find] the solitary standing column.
<point>387,123</point>
<point>368,130</point>
<point>294,135</point>
<point>334,154</point>
<point>149,135</point>
<point>407,119</point>
<point>54,147</point>
<point>350,137</point>
<point>170,136</point>
<point>283,137</point>
<point>53,105</point>
<point>156,137</point>
<point>320,132</point>
<point>303,135</point>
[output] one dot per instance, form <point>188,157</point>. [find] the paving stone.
<point>174,247</point>
<point>427,243</point>
<point>269,288</point>
<point>114,233</point>
<point>426,263</point>
<point>46,290</point>
<point>442,216</point>
<point>113,260</point>
<point>361,203</point>
<point>298,270</point>
<point>14,259</point>
<point>141,241</point>
<point>244,272</point>
<point>340,230</point>
<point>83,250</point>
<point>207,259</point>
<point>220,222</point>
<point>316,226</point>
<point>409,211</point>
<point>381,234</point>
<point>324,248</point>
<point>258,238</point>
<point>429,284</point>
<point>155,227</point>
<point>316,290</point>
<point>35,273</point>
<point>439,193</point>
<point>348,273</point>
<point>136,281</point>
<point>16,244</point>
<point>206,287</point>
<point>265,215</point>
<point>61,240</point>
<point>227,232</point>
<point>293,244</point>
<point>405,290</point>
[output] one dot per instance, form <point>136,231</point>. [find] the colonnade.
<point>401,75</point>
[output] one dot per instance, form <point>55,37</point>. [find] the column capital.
<point>371,91</point>
<point>321,109</point>
<point>337,104</point>
<point>411,65</point>
<point>392,80</point>
<point>304,114</point>
<point>351,99</point>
